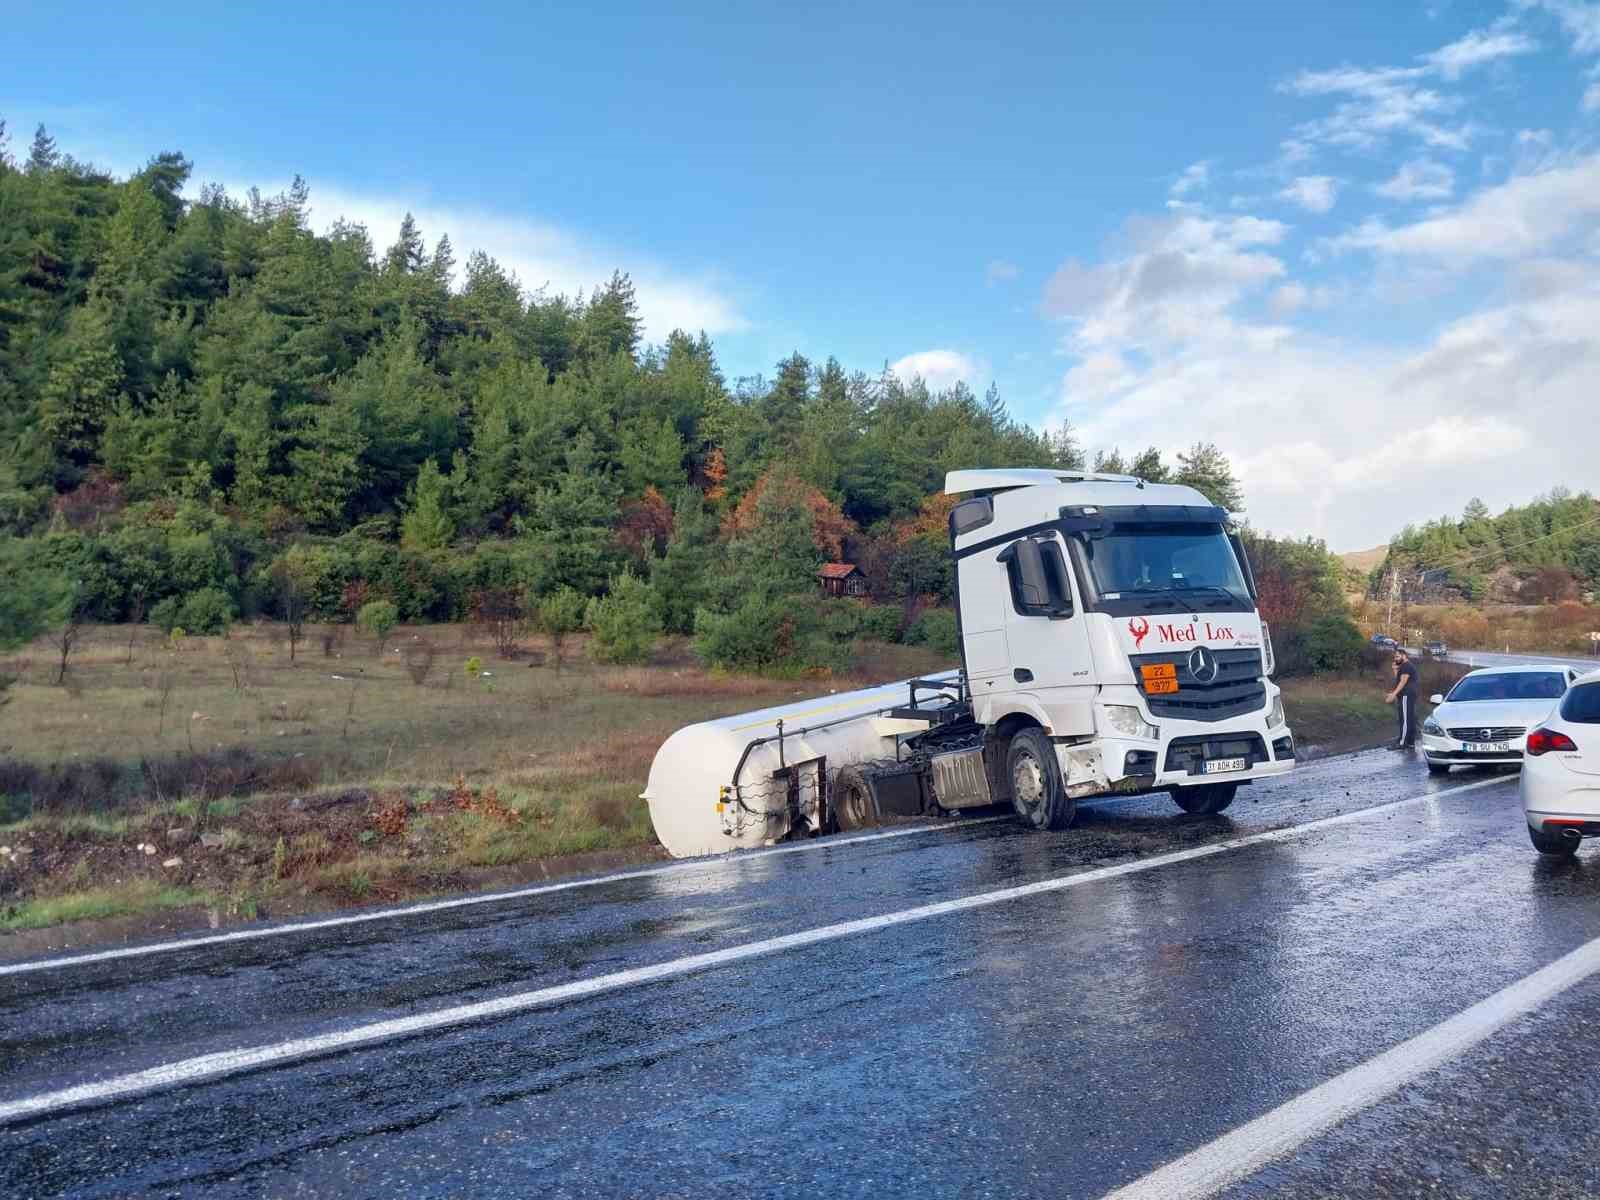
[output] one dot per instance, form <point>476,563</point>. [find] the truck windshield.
<point>1155,561</point>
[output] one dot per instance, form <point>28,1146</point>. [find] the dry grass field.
<point>213,772</point>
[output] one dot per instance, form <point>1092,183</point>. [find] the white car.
<point>1483,721</point>
<point>1561,777</point>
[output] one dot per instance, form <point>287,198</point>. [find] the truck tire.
<point>1206,800</point>
<point>1034,776</point>
<point>1556,845</point>
<point>855,806</point>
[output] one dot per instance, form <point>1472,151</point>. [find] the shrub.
<point>626,622</point>
<point>208,611</point>
<point>559,615</point>
<point>935,629</point>
<point>1332,643</point>
<point>881,623</point>
<point>767,633</point>
<point>165,615</point>
<point>378,618</point>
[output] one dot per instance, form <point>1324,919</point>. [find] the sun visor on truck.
<point>1097,519</point>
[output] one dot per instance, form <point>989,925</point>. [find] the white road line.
<point>231,1062</point>
<point>431,906</point>
<point>1236,1155</point>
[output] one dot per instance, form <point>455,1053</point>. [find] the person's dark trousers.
<point>1405,712</point>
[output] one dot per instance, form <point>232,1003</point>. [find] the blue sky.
<point>1356,248</point>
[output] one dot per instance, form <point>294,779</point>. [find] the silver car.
<point>1486,717</point>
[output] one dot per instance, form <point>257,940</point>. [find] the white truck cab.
<point>1117,618</point>
<point>1110,643</point>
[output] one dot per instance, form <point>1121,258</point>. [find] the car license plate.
<point>1493,747</point>
<point>1217,766</point>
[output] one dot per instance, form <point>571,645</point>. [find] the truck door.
<point>1047,641</point>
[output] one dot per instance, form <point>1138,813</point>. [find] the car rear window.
<point>1582,705</point>
<point>1510,685</point>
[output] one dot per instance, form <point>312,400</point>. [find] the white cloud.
<point>937,368</point>
<point>1349,441</point>
<point>1379,103</point>
<point>1420,179</point>
<point>543,255</point>
<point>1591,98</point>
<point>1193,178</point>
<point>1287,299</point>
<point>1314,193</point>
<point>1526,215</point>
<point>1181,277</point>
<point>1376,104</point>
<point>1580,21</point>
<point>1476,48</point>
<point>1000,271</point>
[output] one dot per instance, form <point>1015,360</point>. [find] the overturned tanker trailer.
<point>1109,641</point>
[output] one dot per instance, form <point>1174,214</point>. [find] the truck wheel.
<point>1207,800</point>
<point>1035,778</point>
<point>1557,845</point>
<point>854,805</point>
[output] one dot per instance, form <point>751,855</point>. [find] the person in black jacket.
<point>1404,697</point>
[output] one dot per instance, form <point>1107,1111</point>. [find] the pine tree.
<point>1148,466</point>
<point>568,532</point>
<point>407,256</point>
<point>1065,452</point>
<point>610,321</point>
<point>1207,470</point>
<point>427,524</point>
<point>686,577</point>
<point>43,157</point>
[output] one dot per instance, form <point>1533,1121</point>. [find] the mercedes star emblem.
<point>1202,665</point>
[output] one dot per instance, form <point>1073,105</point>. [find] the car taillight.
<point>1543,741</point>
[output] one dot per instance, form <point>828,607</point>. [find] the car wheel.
<point>854,805</point>
<point>1438,768</point>
<point>1034,774</point>
<point>1556,845</point>
<point>1206,800</point>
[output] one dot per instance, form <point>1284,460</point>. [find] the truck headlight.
<point>1432,728</point>
<point>1269,660</point>
<point>1129,722</point>
<point>1275,714</point>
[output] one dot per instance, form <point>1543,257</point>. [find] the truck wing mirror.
<point>1033,585</point>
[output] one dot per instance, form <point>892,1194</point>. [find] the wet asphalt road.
<point>1061,1044</point>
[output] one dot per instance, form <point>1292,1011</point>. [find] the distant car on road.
<point>1435,650</point>
<point>1561,777</point>
<point>1382,639</point>
<point>1486,717</point>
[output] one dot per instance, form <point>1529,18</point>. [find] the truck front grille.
<point>1237,688</point>
<point>1189,754</point>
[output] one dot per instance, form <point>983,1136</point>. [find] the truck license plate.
<point>1217,766</point>
<point>1159,678</point>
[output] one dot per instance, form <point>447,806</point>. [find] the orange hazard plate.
<point>1160,677</point>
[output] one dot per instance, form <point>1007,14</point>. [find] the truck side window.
<point>1037,573</point>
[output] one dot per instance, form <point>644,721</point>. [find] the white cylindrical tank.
<point>697,762</point>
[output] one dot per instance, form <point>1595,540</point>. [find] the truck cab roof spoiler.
<point>994,480</point>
